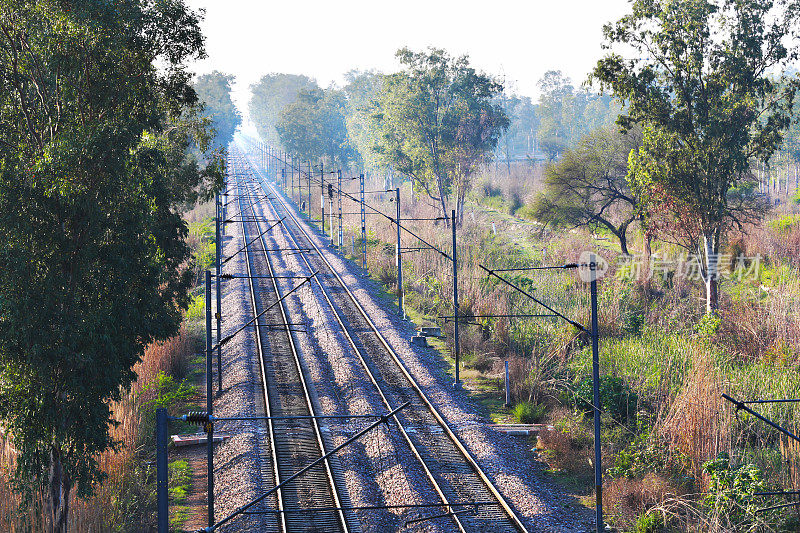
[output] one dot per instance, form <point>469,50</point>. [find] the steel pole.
<point>341,236</point>
<point>309,192</point>
<point>598,470</point>
<point>330,208</point>
<point>322,195</point>
<point>219,296</point>
<point>508,389</point>
<point>363,226</point>
<point>209,401</point>
<point>162,483</point>
<point>457,348</point>
<point>399,255</point>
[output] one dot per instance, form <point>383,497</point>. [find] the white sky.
<point>517,39</point>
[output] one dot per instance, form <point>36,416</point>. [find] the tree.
<point>214,92</point>
<point>556,90</point>
<point>313,127</point>
<point>567,114</point>
<point>93,171</point>
<point>270,96</point>
<point>523,123</point>
<point>438,121</point>
<point>362,90</point>
<point>699,83</point>
<point>588,186</point>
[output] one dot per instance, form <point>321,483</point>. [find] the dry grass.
<point>697,424</point>
<point>109,508</point>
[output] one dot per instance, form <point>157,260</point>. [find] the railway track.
<point>292,443</point>
<point>450,468</point>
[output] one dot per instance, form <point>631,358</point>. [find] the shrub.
<point>649,523</point>
<point>631,313</point>
<point>616,397</point>
<point>529,413</point>
<point>168,392</point>
<point>708,326</point>
<point>197,308</point>
<point>731,489</point>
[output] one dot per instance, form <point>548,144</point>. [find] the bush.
<point>649,523</point>
<point>616,397</point>
<point>731,489</point>
<point>708,326</point>
<point>197,308</point>
<point>529,413</point>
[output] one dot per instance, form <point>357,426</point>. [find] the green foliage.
<point>168,392</point>
<point>179,483</point>
<point>180,480</point>
<point>529,413</point>
<point>631,312</point>
<point>203,247</point>
<point>784,223</point>
<point>270,96</point>
<point>96,117</point>
<point>523,118</point>
<point>644,453</point>
<point>362,90</point>
<point>731,489</point>
<point>616,398</point>
<point>313,127</point>
<point>214,92</point>
<point>700,85</point>
<point>197,308</point>
<point>565,115</point>
<point>438,122</point>
<point>651,522</point>
<point>707,327</point>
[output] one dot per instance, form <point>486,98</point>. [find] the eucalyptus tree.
<point>362,90</point>
<point>94,125</point>
<point>214,92</point>
<point>700,77</point>
<point>439,120</point>
<point>313,127</point>
<point>270,95</point>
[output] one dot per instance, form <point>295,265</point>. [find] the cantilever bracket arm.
<point>243,248</point>
<point>250,322</point>
<point>384,419</point>
<point>742,406</point>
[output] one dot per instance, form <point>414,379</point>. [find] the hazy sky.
<point>519,40</point>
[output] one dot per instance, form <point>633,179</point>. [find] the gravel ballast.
<point>380,468</point>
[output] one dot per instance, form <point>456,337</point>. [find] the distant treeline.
<point>336,123</point>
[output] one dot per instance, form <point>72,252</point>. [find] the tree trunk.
<point>57,495</point>
<point>711,247</point>
<point>646,253</point>
<point>623,241</point>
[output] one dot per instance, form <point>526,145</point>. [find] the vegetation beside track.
<point>675,453</point>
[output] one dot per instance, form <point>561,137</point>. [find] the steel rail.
<point>375,382</point>
<point>308,404</point>
<point>467,456</point>
<point>259,350</point>
<point>306,388</point>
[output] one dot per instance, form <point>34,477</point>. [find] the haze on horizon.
<point>519,41</point>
